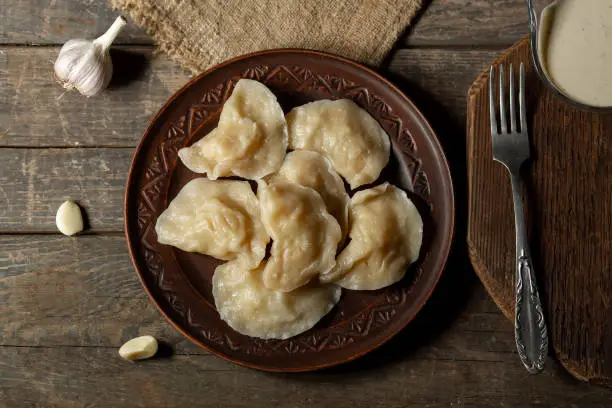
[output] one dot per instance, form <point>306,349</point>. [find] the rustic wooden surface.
<point>570,216</point>
<point>67,304</point>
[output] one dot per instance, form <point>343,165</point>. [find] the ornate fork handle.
<point>530,328</point>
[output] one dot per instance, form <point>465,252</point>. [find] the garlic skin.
<point>86,65</point>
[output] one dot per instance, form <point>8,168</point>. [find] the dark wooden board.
<point>568,190</point>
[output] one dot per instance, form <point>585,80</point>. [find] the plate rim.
<point>448,185</point>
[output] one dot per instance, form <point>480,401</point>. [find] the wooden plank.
<point>437,79</point>
<point>434,79</point>
<point>36,111</point>
<point>32,115</point>
<point>59,291</point>
<point>425,75</point>
<point>70,302</point>
<point>73,301</point>
<point>57,21</point>
<point>568,213</point>
<point>77,377</point>
<point>34,182</point>
<point>446,22</point>
<point>497,23</point>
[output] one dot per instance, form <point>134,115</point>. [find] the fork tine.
<point>492,101</point>
<point>522,104</point>
<point>502,102</point>
<point>513,124</point>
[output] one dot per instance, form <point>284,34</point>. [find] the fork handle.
<point>529,326</point>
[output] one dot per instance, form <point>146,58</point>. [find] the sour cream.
<point>575,47</point>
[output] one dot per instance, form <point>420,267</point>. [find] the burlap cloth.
<point>201,33</point>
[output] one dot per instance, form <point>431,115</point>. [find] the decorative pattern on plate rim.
<point>156,176</point>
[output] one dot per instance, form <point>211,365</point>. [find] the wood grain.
<point>444,22</point>
<point>63,291</point>
<point>119,116</point>
<point>34,182</point>
<point>66,304</point>
<point>35,110</point>
<point>57,21</point>
<point>438,75</point>
<point>470,23</point>
<point>99,378</point>
<point>59,291</point>
<point>568,199</point>
<point>70,302</point>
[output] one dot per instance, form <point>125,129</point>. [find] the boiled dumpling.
<point>250,308</point>
<point>250,140</point>
<point>310,169</point>
<point>347,135</point>
<point>216,218</point>
<point>386,231</point>
<point>304,235</point>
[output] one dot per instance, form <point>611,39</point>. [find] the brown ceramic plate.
<point>180,283</point>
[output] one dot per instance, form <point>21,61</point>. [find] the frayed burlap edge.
<point>168,36</point>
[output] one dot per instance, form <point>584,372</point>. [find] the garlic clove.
<point>71,53</point>
<point>139,348</point>
<point>86,65</point>
<point>69,219</point>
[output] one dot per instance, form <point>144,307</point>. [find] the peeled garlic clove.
<point>139,348</point>
<point>86,65</point>
<point>69,219</point>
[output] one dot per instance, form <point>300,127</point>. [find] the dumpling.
<point>310,169</point>
<point>386,231</point>
<point>347,135</point>
<point>304,235</point>
<point>216,218</point>
<point>250,140</point>
<point>248,307</point>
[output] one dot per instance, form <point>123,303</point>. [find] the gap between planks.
<point>205,353</point>
<point>425,45</point>
<point>102,233</point>
<point>64,147</point>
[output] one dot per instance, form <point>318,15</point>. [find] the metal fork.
<point>511,149</point>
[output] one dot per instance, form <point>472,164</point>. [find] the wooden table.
<point>67,304</point>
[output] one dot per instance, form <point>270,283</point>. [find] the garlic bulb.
<point>86,65</point>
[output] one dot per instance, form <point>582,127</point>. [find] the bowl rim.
<point>544,77</point>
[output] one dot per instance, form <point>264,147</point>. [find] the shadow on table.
<point>164,350</point>
<point>128,66</point>
<point>401,42</point>
<point>458,280</point>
